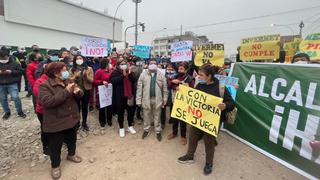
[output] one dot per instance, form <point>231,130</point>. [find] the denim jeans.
<point>11,89</point>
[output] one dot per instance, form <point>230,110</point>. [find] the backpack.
<point>231,115</point>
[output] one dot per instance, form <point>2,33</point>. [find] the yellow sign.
<point>260,48</point>
<point>198,109</point>
<point>291,48</point>
<point>209,53</point>
<point>311,46</point>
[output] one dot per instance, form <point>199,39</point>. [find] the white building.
<point>52,24</point>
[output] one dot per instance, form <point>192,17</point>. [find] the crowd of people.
<point>64,88</point>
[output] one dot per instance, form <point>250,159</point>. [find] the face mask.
<point>4,61</point>
<point>200,81</point>
<point>70,63</point>
<point>301,62</point>
<point>79,62</point>
<point>36,50</point>
<point>227,71</point>
<point>64,75</point>
<point>54,58</point>
<point>40,59</point>
<point>123,67</point>
<point>153,67</point>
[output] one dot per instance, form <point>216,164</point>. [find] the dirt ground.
<point>106,156</point>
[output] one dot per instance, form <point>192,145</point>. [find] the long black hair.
<point>209,69</point>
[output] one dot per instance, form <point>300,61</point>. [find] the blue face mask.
<point>123,67</point>
<point>54,58</point>
<point>200,81</point>
<point>65,75</point>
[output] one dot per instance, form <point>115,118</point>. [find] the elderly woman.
<point>60,114</point>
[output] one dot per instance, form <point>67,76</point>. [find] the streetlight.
<point>125,32</point>
<point>286,26</point>
<point>114,22</point>
<point>136,32</point>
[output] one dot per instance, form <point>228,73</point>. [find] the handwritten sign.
<point>209,53</point>
<point>94,47</point>
<point>230,83</point>
<point>260,48</point>
<point>311,46</point>
<point>198,109</point>
<point>142,51</point>
<point>105,95</point>
<point>181,51</point>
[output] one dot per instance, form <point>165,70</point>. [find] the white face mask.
<point>301,62</point>
<point>4,61</point>
<point>79,62</point>
<point>153,67</point>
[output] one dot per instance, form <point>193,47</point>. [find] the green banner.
<point>279,113</point>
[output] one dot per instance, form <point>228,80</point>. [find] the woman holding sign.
<point>122,80</point>
<point>208,84</point>
<point>102,78</point>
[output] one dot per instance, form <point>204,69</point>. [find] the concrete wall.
<point>52,24</point>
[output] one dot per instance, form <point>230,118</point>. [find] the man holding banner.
<point>206,120</point>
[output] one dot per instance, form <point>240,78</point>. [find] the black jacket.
<point>16,69</point>
<point>118,100</point>
<point>213,89</point>
<point>40,67</point>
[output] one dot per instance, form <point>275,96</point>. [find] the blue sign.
<point>231,83</point>
<point>142,51</point>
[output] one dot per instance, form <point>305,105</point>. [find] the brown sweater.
<point>60,107</point>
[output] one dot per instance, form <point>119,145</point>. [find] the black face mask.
<point>36,50</point>
<point>40,59</point>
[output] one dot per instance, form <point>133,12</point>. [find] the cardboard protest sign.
<point>311,46</point>
<point>142,51</point>
<point>291,48</point>
<point>230,83</point>
<point>260,48</point>
<point>198,109</point>
<point>94,47</point>
<point>209,53</point>
<point>105,95</point>
<point>181,51</point>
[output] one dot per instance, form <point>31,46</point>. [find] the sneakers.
<point>22,115</point>
<point>159,137</point>
<point>171,136</point>
<point>132,130</point>
<point>185,159</point>
<point>183,141</point>
<point>145,134</point>
<point>6,116</point>
<point>207,169</point>
<point>122,133</point>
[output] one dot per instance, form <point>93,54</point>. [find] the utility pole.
<point>181,30</point>
<point>136,31</point>
<point>301,26</point>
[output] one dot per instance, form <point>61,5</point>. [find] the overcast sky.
<point>170,14</point>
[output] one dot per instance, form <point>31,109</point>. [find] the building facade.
<point>52,24</point>
<point>162,45</point>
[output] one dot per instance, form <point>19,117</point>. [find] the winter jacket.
<point>16,72</point>
<point>43,78</point>
<point>100,76</point>
<point>31,72</point>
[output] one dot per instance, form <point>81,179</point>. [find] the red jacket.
<point>43,78</point>
<point>114,62</point>
<point>100,76</point>
<point>31,72</point>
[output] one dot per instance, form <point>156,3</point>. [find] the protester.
<point>34,49</point>
<point>282,54</point>
<point>53,56</point>
<point>94,98</point>
<point>208,84</point>
<point>31,73</point>
<point>170,75</point>
<point>122,79</point>
<point>39,110</point>
<point>185,79</point>
<point>301,58</point>
<point>82,75</point>
<point>114,58</point>
<point>21,54</point>
<point>10,73</point>
<point>60,115</point>
<point>238,55</point>
<point>152,95</point>
<point>65,57</point>
<point>102,78</point>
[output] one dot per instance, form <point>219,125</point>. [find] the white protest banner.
<point>94,47</point>
<point>181,51</point>
<point>105,95</point>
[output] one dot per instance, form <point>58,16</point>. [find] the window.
<point>156,42</point>
<point>163,47</point>
<point>163,41</point>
